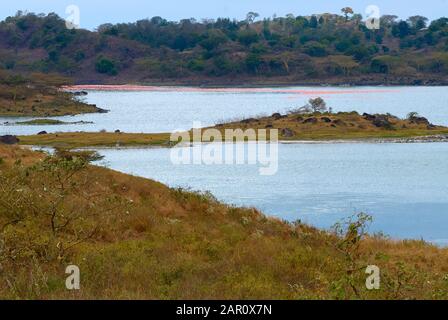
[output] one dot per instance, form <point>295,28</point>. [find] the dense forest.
<point>324,48</point>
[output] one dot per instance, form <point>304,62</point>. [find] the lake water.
<point>176,108</point>
<point>404,186</point>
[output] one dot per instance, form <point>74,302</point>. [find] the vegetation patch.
<point>97,139</point>
<point>40,122</point>
<point>38,96</point>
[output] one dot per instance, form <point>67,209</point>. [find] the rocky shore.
<point>423,139</point>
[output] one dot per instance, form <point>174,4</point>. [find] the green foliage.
<point>158,48</point>
<point>212,39</point>
<point>253,62</point>
<point>315,49</point>
<point>104,65</point>
<point>196,65</point>
<point>46,210</point>
<point>384,64</point>
<point>248,37</point>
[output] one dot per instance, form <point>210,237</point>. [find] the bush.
<point>106,66</point>
<point>247,37</point>
<point>253,61</point>
<point>315,49</point>
<point>196,65</point>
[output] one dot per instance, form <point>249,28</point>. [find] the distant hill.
<point>318,49</point>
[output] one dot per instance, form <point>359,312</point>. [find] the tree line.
<point>300,47</point>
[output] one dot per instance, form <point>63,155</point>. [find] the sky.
<point>96,12</point>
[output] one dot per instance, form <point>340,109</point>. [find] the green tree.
<point>213,39</point>
<point>313,22</point>
<point>248,37</point>
<point>253,62</point>
<point>315,49</point>
<point>106,66</point>
<point>417,22</point>
<point>251,16</point>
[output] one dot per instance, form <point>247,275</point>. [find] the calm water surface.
<point>177,108</point>
<point>404,186</point>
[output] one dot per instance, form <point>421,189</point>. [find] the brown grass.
<point>95,139</point>
<point>162,243</point>
<point>343,125</point>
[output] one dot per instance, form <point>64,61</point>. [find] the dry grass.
<point>17,101</point>
<point>343,125</point>
<point>161,243</point>
<point>95,139</point>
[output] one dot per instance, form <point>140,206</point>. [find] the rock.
<point>80,93</point>
<point>249,120</point>
<point>311,120</point>
<point>287,133</point>
<point>99,110</point>
<point>419,120</point>
<point>9,139</point>
<point>277,116</point>
<point>42,132</point>
<point>369,117</point>
<point>325,119</point>
<point>382,121</point>
<point>339,122</point>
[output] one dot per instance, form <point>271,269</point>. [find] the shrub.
<point>106,66</point>
<point>315,49</point>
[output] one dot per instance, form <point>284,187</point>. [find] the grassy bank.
<point>97,139</point>
<point>136,238</point>
<point>48,122</point>
<point>338,126</point>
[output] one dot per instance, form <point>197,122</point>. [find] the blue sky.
<point>96,12</point>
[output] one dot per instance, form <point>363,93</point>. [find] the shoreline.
<point>422,139</point>
<point>166,87</point>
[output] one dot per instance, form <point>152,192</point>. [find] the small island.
<point>46,122</point>
<point>316,122</point>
